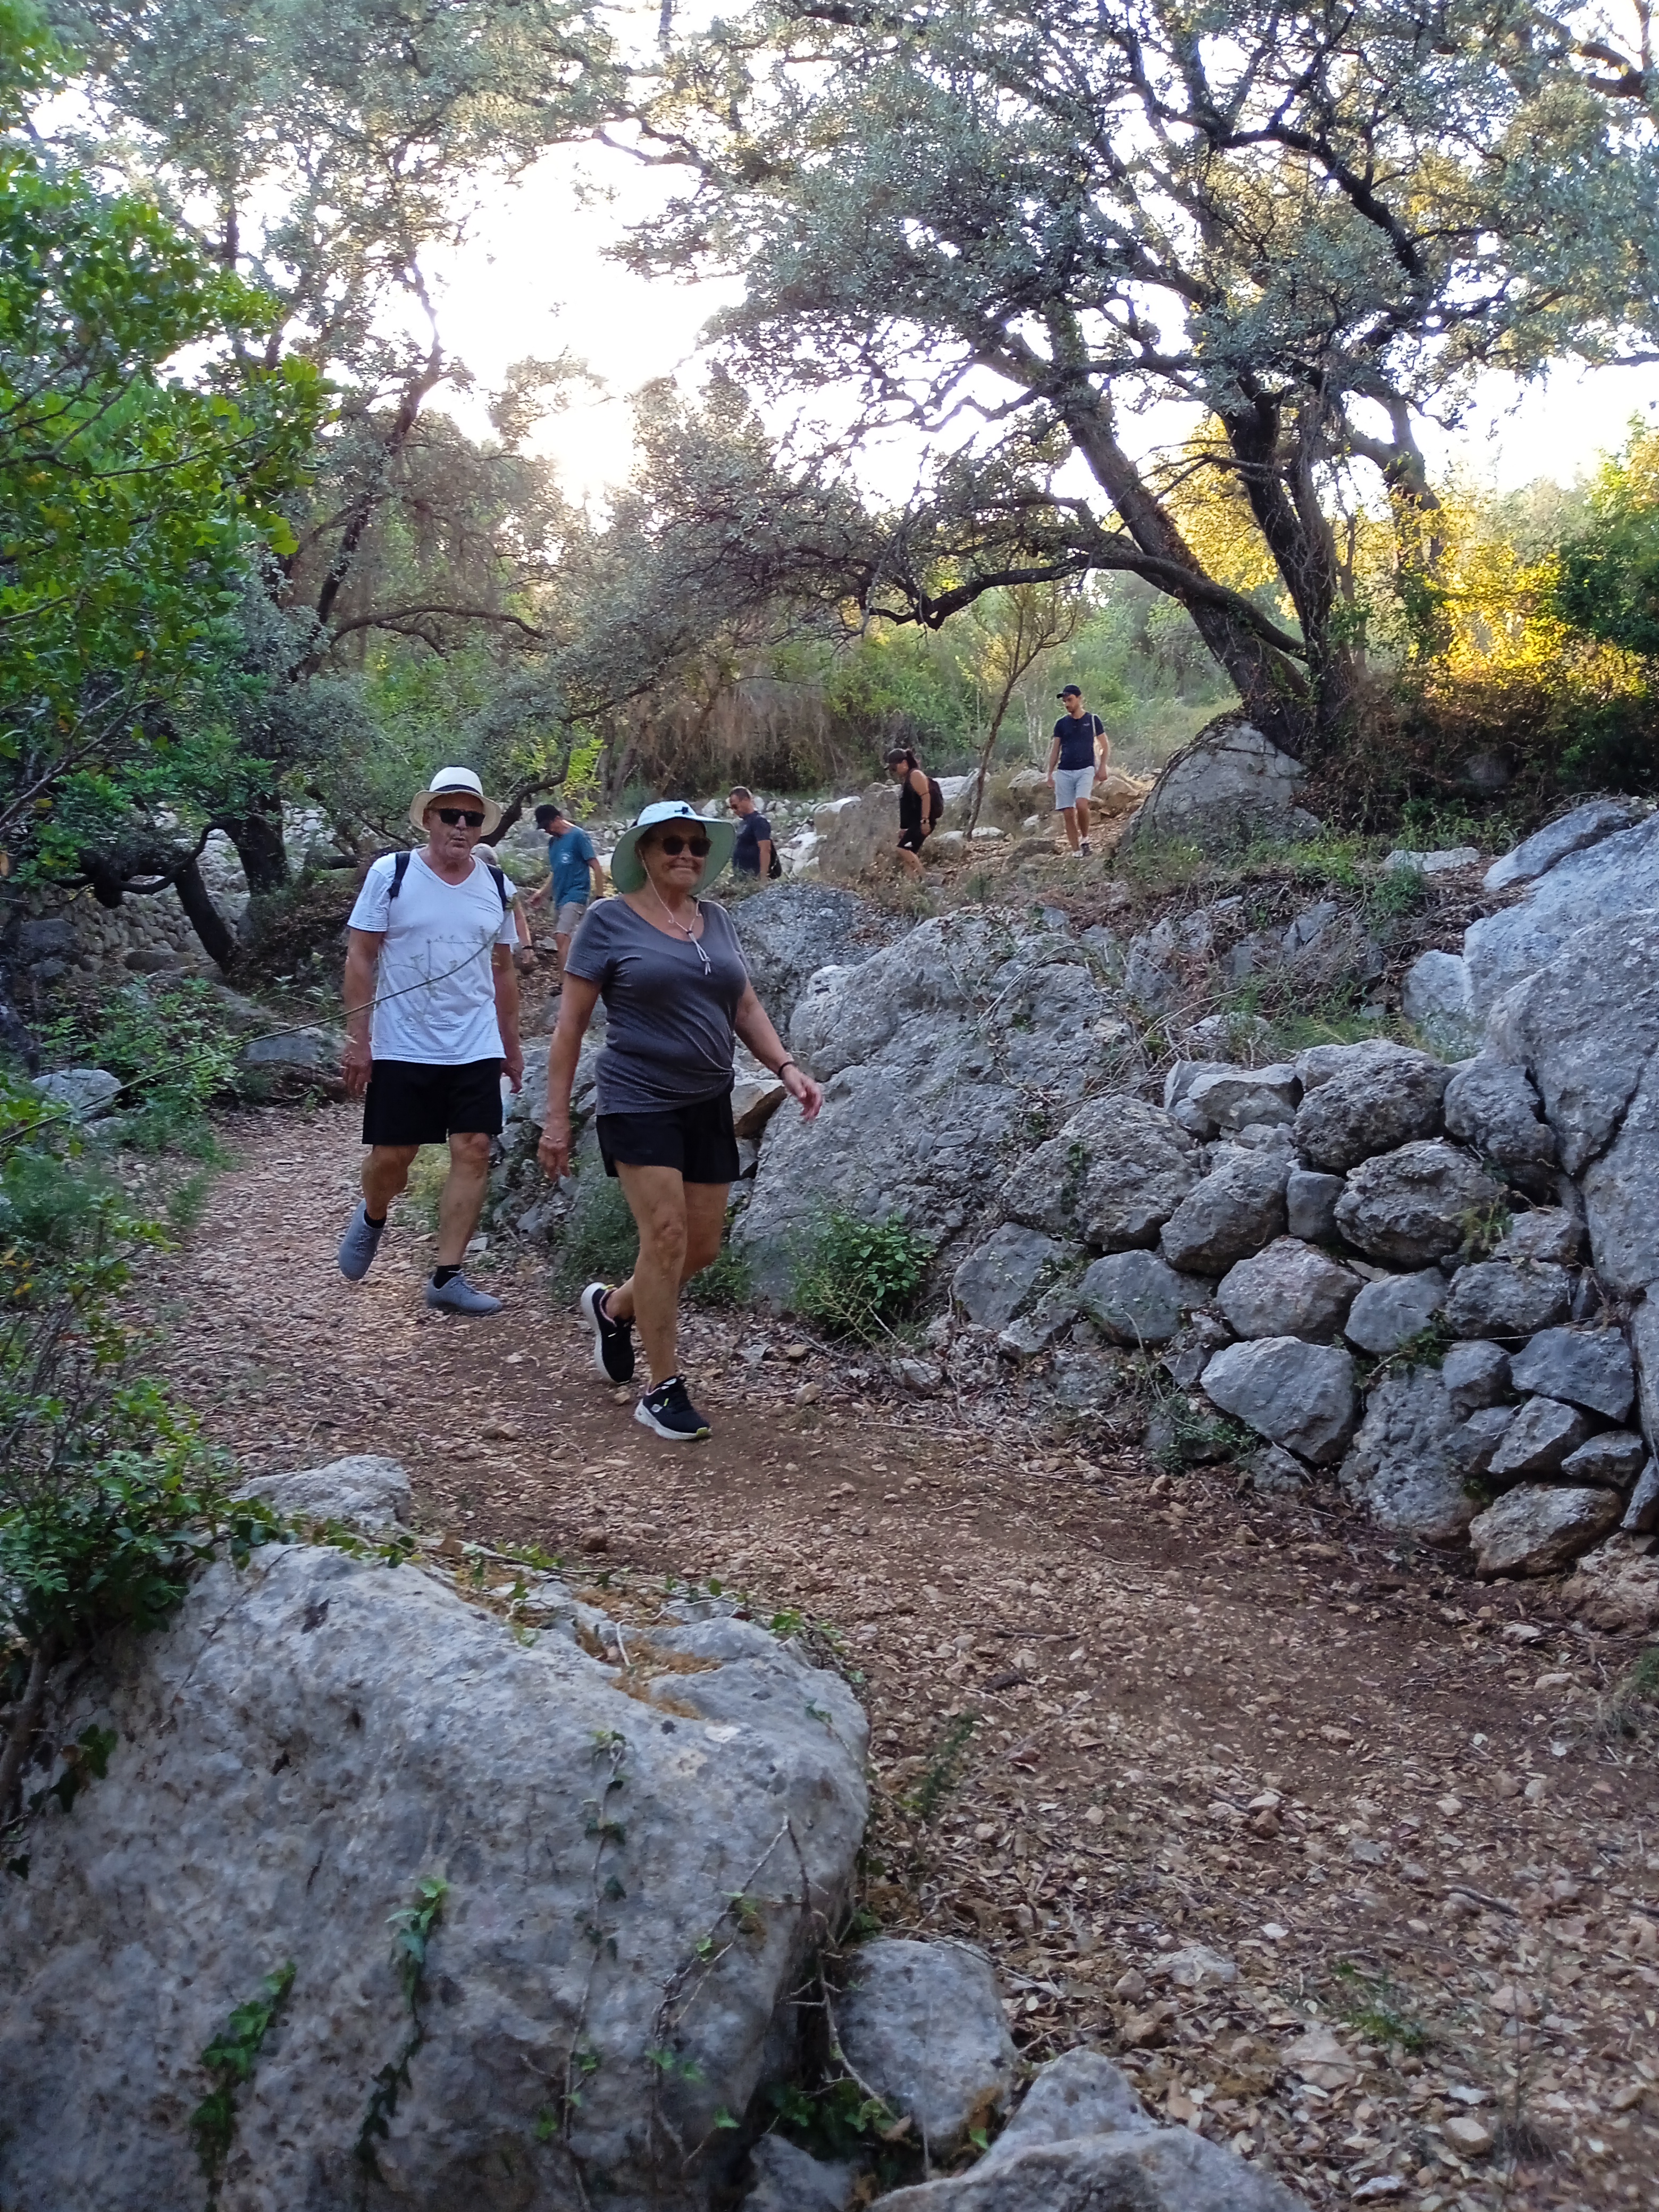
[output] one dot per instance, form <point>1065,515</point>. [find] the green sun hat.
<point>628,870</point>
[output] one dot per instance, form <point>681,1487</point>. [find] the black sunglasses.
<point>452,816</point>
<point>699,847</point>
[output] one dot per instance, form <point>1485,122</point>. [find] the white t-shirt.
<point>434,997</point>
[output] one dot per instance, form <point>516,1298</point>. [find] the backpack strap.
<point>500,886</point>
<point>399,869</point>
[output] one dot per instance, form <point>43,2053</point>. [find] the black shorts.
<point>412,1102</point>
<point>912,841</point>
<point>697,1139</point>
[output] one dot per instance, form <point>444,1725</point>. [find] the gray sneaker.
<point>459,1296</point>
<point>359,1245</point>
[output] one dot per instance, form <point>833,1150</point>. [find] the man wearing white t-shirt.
<point>437,925</point>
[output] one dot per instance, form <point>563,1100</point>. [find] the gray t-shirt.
<point>668,1037</point>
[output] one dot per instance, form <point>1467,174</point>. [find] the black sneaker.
<point>669,1411</point>
<point>613,1340</point>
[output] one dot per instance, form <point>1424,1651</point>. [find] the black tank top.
<point>909,805</point>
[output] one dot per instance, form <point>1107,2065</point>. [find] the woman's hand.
<point>802,1089</point>
<point>554,1151</point>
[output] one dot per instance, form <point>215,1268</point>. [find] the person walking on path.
<point>1080,746</point>
<point>919,807</point>
<point>752,853</point>
<point>676,994</point>
<point>576,877</point>
<point>431,954</point>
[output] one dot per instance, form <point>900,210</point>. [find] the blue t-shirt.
<point>1077,734</point>
<point>567,857</point>
<point>745,853</point>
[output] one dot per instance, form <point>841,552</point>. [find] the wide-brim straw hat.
<point>455,783</point>
<point>628,870</point>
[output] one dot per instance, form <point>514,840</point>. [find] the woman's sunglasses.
<point>452,816</point>
<point>698,847</point>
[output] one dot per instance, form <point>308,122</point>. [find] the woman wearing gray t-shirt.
<point>676,994</point>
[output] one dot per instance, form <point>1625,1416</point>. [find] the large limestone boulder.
<point>1500,1298</point>
<point>1291,1289</point>
<point>791,930</point>
<point>1220,1099</point>
<point>1236,1211</point>
<point>81,1094</point>
<point>1615,1589</point>
<point>1537,1442</point>
<point>1375,1104</point>
<point>1300,1395</point>
<point>1392,1310</point>
<point>1603,883</point>
<point>1229,783</point>
<point>922,2024</point>
<point>852,832</point>
<point>366,1489</point>
<point>1541,1528</point>
<point>995,1281</point>
<point>1409,1465</point>
<point>1113,1175</point>
<point>1588,1367</point>
<point>312,1738</point>
<point>1491,1107</point>
<point>1134,1298</point>
<point>1438,999</point>
<point>1574,832</point>
<point>1414,1205</point>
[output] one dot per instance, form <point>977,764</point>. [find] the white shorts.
<point>1071,784</point>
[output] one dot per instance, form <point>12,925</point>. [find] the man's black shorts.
<point>412,1102</point>
<point>697,1139</point>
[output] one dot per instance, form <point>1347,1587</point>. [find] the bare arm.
<point>1053,758</point>
<point>1102,751</point>
<point>597,874</point>
<point>363,959</point>
<point>764,848</point>
<point>507,1011</point>
<point>754,1025</point>
<point>576,1006</point>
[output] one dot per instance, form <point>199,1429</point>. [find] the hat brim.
<point>422,799</point>
<point>628,870</point>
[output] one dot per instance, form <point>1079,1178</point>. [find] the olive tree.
<point>1014,230</point>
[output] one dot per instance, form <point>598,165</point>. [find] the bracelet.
<point>783,1063</point>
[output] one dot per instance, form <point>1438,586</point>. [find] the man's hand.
<point>802,1089</point>
<point>357,1065</point>
<point>554,1150</point>
<point>513,1060</point>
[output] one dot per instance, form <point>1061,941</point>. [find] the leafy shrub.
<point>600,1243</point>
<point>857,1278</point>
<point>175,1048</point>
<point>724,1282</point>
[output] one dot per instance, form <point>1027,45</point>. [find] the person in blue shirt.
<point>752,853</point>
<point>576,877</point>
<point>1080,747</point>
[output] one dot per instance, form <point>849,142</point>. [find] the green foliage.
<point>175,1049</point>
<point>413,1927</point>
<point>1632,1707</point>
<point>726,1281</point>
<point>598,1241</point>
<point>944,1769</point>
<point>836,2121</point>
<point>1607,583</point>
<point>857,1278</point>
<point>230,2059</point>
<point>1374,2004</point>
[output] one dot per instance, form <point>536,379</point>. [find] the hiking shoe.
<point>1083,848</point>
<point>670,1412</point>
<point>459,1296</point>
<point>360,1243</point>
<point>613,1340</point>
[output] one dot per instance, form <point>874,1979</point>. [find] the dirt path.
<point>1115,1717</point>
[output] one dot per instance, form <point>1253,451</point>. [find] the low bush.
<point>174,1047</point>
<point>600,1243</point>
<point>856,1278</point>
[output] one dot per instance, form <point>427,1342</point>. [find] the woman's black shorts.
<point>410,1101</point>
<point>697,1139</point>
<point>912,841</point>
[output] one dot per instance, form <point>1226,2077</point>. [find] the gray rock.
<point>923,2024</point>
<point>1588,1367</point>
<point>1190,1352</point>
<point>920,1376</point>
<point>1080,2093</point>
<point>1615,878</point>
<point>1642,1514</point>
<point>84,1093</point>
<point>1229,782</point>
<point>995,1281</point>
<point>364,1489</point>
<point>1547,1233</point>
<point>1083,1381</point>
<point>1242,1037</point>
<point>1478,1440</point>
<point>1233,1213</point>
<point>1475,1375</point>
<point>302,1052</point>
<point>1536,855</point>
<point>1310,1205</point>
<point>1497,1297</point>
<point>1618,1191</point>
<point>1136,1299</point>
<point>1613,1459</point>
<point>313,1736</point>
<point>1491,1106</point>
<point>1301,1395</point>
<point>1407,1467</point>
<point>1291,1289</point>
<point>1538,1441</point>
<point>1033,1332</point>
<point>1438,999</point>
<point>1114,1174</point>
<point>50,937</point>
<point>1541,1528</point>
<point>1375,1104</point>
<point>1392,1311</point>
<point>1449,861</point>
<point>1414,1205</point>
<point>1164,963</point>
<point>1227,1098</point>
<point>1318,1064</point>
<point>1135,2170</point>
<point>1277,1472</point>
<point>791,930</point>
<point>1645,1343</point>
<point>787,2179</point>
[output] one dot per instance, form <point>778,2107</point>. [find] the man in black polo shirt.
<point>1080,746</point>
<point>752,853</point>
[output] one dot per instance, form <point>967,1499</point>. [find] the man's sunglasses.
<point>698,847</point>
<point>451,816</point>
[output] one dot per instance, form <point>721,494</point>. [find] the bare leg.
<point>705,1224</point>
<point>1069,816</point>
<point>463,1198</point>
<point>679,1225</point>
<point>909,861</point>
<point>1081,810</point>
<point>386,1173</point>
<point>561,946</point>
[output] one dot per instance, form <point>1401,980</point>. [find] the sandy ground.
<point>1117,1716</point>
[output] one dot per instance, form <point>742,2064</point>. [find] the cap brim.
<point>422,799</point>
<point>628,870</point>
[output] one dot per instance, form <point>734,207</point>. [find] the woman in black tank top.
<point>916,823</point>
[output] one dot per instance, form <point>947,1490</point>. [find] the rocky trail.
<point>1348,1860</point>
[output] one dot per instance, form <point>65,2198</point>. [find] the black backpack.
<point>775,868</point>
<point>400,869</point>
<point>935,804</point>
